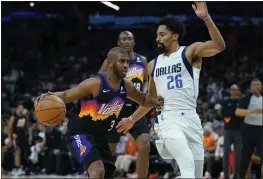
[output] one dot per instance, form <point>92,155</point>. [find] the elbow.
<point>221,46</point>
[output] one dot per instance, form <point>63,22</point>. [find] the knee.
<point>143,143</point>
<point>96,172</point>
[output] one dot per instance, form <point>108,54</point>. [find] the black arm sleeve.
<point>244,102</point>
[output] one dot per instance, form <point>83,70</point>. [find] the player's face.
<point>165,37</point>
<point>126,41</point>
<point>120,66</point>
<point>256,87</point>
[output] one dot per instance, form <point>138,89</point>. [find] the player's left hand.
<point>200,9</point>
<point>124,125</point>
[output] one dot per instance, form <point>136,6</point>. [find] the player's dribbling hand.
<point>39,98</point>
<point>158,102</point>
<point>124,125</point>
<point>200,9</point>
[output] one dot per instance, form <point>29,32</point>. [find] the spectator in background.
<point>219,154</point>
<point>124,161</point>
<point>232,134</point>
<point>250,107</point>
<point>210,145</point>
<point>18,136</point>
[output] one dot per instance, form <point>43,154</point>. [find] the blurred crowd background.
<point>53,46</point>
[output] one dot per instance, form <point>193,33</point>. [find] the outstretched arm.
<point>142,98</point>
<point>126,123</point>
<point>89,87</point>
<point>211,47</point>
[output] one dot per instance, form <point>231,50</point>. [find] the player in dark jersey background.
<point>102,99</point>
<point>18,137</point>
<point>138,75</point>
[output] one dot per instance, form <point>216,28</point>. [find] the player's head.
<point>170,30</point>
<point>126,40</point>
<point>234,91</point>
<point>256,86</point>
<point>118,59</point>
<point>20,109</point>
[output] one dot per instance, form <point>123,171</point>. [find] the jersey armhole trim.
<point>101,86</point>
<point>188,66</point>
<point>154,65</point>
<point>124,88</point>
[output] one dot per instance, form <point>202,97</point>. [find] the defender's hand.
<point>200,9</point>
<point>41,96</point>
<point>125,125</point>
<point>158,102</point>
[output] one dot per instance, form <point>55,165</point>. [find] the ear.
<point>175,37</point>
<point>118,43</point>
<point>109,63</point>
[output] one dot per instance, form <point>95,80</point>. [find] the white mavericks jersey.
<point>176,80</point>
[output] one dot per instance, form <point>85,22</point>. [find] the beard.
<point>161,48</point>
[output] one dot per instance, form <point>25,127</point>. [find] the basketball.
<point>50,110</point>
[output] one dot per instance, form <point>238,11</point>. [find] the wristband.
<point>206,17</point>
<point>130,118</point>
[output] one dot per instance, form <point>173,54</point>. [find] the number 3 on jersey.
<point>111,125</point>
<point>174,81</point>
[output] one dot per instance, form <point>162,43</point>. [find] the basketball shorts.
<point>86,150</point>
<point>180,125</point>
<point>20,140</point>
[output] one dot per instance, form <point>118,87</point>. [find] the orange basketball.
<point>50,110</point>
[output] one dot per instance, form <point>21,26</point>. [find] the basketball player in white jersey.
<point>175,77</point>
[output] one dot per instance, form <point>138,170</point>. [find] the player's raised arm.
<point>142,98</point>
<point>89,87</point>
<point>211,47</point>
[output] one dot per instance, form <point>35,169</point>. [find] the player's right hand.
<point>124,125</point>
<point>39,98</point>
<point>158,102</point>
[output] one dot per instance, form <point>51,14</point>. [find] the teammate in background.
<point>18,136</point>
<point>101,99</point>
<point>138,75</point>
<point>175,76</point>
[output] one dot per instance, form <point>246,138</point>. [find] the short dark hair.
<point>174,24</point>
<point>255,80</point>
<point>114,51</point>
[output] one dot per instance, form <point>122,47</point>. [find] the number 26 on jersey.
<point>174,82</point>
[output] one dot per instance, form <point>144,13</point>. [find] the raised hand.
<point>200,9</point>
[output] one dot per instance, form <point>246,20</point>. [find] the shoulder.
<point>92,84</point>
<point>190,50</point>
<point>144,59</point>
<point>246,97</point>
